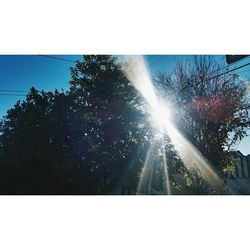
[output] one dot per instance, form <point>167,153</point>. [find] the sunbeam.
<point>167,184</point>
<point>192,157</point>
<point>136,71</point>
<point>144,184</point>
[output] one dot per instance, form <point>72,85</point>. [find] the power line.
<point>227,66</point>
<point>58,58</point>
<point>224,67</point>
<point>244,71</point>
<point>25,91</point>
<point>228,71</point>
<point>11,94</point>
<point>17,91</point>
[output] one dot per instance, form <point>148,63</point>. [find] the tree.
<point>212,112</point>
<point>35,145</point>
<point>116,125</point>
<point>95,138</point>
<point>83,141</point>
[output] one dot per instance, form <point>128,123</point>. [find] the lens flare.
<point>167,184</point>
<point>144,183</point>
<point>136,71</point>
<point>192,157</point>
<point>161,115</point>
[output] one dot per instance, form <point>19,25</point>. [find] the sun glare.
<point>136,71</point>
<point>161,116</point>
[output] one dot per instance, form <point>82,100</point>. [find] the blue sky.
<point>21,72</point>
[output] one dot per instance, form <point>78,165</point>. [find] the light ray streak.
<point>144,174</point>
<point>192,157</point>
<point>136,71</point>
<point>167,184</point>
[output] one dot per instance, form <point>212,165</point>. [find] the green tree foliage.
<point>35,146</point>
<point>212,112</point>
<point>94,138</point>
<point>89,140</point>
<point>116,125</point>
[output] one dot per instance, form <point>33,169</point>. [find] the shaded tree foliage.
<point>116,125</point>
<point>94,138</point>
<point>211,112</point>
<point>81,141</point>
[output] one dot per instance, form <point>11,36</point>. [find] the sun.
<point>161,116</point>
<point>137,73</point>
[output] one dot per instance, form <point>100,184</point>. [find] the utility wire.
<point>244,71</point>
<point>227,66</point>
<point>11,94</point>
<point>25,91</point>
<point>224,67</point>
<point>228,71</point>
<point>58,58</point>
<point>54,58</point>
<point>17,91</point>
<point>224,73</point>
